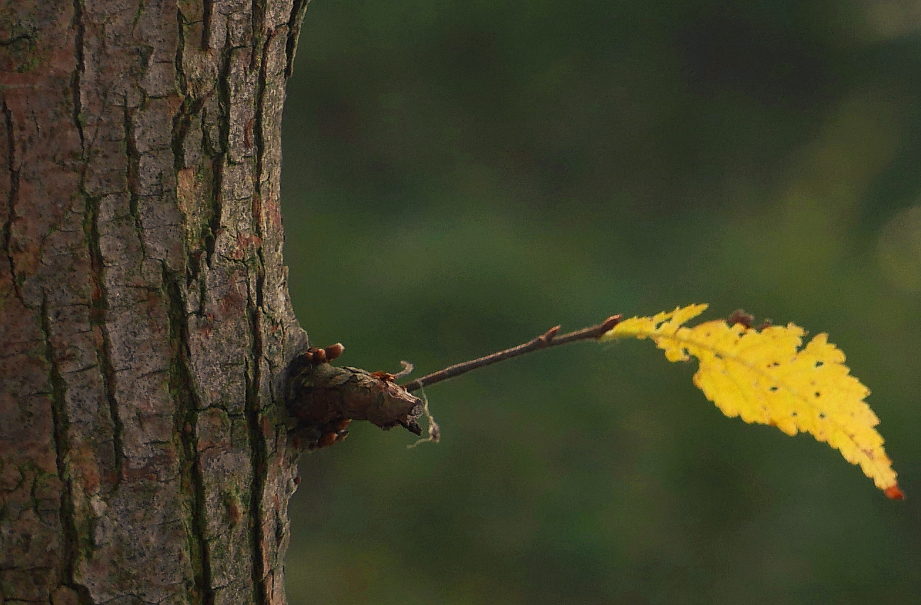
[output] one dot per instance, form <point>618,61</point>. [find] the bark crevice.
<point>298,10</point>
<point>13,194</point>
<point>98,322</point>
<point>259,458</point>
<point>181,381</point>
<point>207,19</point>
<point>254,411</point>
<point>71,543</point>
<point>79,69</point>
<point>132,166</point>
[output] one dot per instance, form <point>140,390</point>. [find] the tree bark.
<point>145,324</point>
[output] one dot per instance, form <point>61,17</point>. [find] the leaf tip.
<point>894,492</point>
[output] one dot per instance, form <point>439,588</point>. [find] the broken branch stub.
<point>323,399</point>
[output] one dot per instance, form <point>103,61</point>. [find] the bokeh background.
<point>462,175</point>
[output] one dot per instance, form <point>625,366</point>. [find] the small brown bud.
<point>326,440</point>
<point>334,351</point>
<point>385,376</point>
<point>549,334</point>
<point>740,317</point>
<point>610,322</point>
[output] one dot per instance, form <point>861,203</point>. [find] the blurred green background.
<point>461,176</point>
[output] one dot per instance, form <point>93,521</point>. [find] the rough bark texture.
<point>145,325</point>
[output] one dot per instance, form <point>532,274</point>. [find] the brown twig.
<point>545,340</point>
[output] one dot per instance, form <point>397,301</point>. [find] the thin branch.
<point>545,340</point>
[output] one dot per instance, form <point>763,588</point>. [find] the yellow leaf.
<point>763,376</point>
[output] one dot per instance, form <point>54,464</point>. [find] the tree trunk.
<point>145,325</point>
